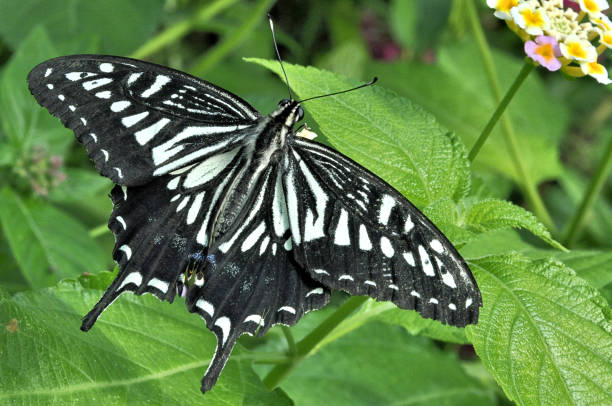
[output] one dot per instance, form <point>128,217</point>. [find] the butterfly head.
<point>289,111</point>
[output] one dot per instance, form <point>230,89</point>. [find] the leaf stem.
<point>211,58</point>
<point>593,190</point>
<point>99,230</point>
<point>518,81</point>
<point>527,184</point>
<point>178,30</point>
<point>292,349</point>
<point>310,342</point>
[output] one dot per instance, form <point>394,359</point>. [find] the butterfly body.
<point>258,224</point>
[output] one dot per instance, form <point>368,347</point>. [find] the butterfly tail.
<point>90,318</point>
<point>222,354</point>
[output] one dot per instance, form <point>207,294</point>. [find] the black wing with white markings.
<point>352,231</point>
<point>136,119</point>
<point>251,281</point>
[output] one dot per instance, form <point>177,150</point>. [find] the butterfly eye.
<point>300,113</point>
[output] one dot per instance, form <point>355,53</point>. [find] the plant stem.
<point>178,30</point>
<point>527,68</point>
<point>593,190</point>
<point>227,45</point>
<point>98,231</point>
<point>292,350</point>
<point>527,184</point>
<point>310,342</point>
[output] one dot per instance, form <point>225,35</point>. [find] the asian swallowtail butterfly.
<point>256,223</point>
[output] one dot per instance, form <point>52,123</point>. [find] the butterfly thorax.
<point>267,150</point>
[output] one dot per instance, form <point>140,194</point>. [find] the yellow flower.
<point>502,8</point>
<point>605,37</point>
<point>578,49</point>
<point>596,71</point>
<point>593,7</point>
<point>532,19</point>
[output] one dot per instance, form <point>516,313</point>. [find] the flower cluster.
<point>560,38</point>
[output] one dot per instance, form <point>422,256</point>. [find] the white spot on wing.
<point>106,67</point>
<point>371,283</point>
<point>314,229</point>
<point>386,247</point>
<point>394,287</point>
<point>320,271</point>
<point>206,307</point>
<point>183,203</point>
<point>119,106</point>
<point>50,86</point>
<point>160,81</point>
<point>448,280</point>
<point>93,84</point>
<point>468,302</point>
<point>433,300</point>
<point>61,97</point>
<point>127,250</point>
<point>341,236</point>
<point>288,245</point>
<point>106,94</point>
<point>71,108</point>
<point>436,245</point>
<point>192,214</point>
<point>74,76</point>
<point>364,241</point>
<point>287,309</point>
<point>408,225</point>
<point>264,245</point>
<point>134,77</point>
<point>279,208</point>
<point>119,173</point>
<point>225,325</point>
<point>253,237</point>
<point>121,221</point>
<point>133,277</point>
<point>131,120</point>
<point>48,72</point>
<point>316,291</point>
<point>173,184</point>
<point>426,262</point>
<point>93,137</point>
<point>105,153</point>
<point>209,169</point>
<point>385,209</point>
<point>255,318</point>
<point>346,277</point>
<point>146,134</point>
<point>415,294</point>
<point>159,285</point>
<point>452,306</point>
<point>409,258</point>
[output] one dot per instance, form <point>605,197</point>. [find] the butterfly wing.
<point>354,232</point>
<point>250,280</point>
<point>138,120</point>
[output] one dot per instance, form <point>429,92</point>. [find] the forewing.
<point>251,281</point>
<point>138,120</point>
<point>352,231</point>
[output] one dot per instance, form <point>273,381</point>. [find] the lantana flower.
<point>502,8</point>
<point>593,7</point>
<point>530,18</point>
<point>597,71</point>
<point>545,51</point>
<point>560,38</point>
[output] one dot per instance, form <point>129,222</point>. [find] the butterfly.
<point>256,224</point>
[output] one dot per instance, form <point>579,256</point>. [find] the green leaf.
<point>80,184</point>
<point>455,90</point>
<point>47,244</point>
<point>25,123</point>
<point>140,351</point>
<point>491,214</point>
<point>418,24</point>
<point>387,134</point>
<point>118,26</point>
<point>380,364</point>
<point>543,333</point>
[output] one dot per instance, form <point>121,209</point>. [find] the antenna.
<point>370,83</point>
<point>278,55</point>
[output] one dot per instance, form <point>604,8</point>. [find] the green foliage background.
<point>544,335</point>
